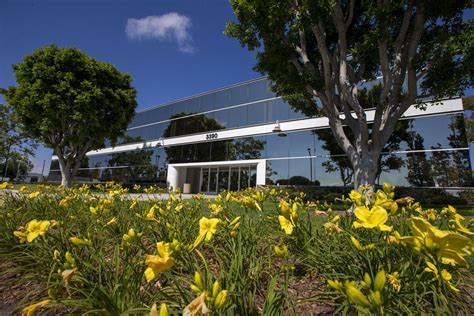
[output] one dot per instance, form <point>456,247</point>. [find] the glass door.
<point>213,180</point>
<point>204,179</point>
<point>234,179</point>
<point>223,179</point>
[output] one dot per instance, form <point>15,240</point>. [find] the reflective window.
<point>237,116</point>
<point>277,172</point>
<point>223,179</point>
<point>259,90</point>
<point>244,178</point>
<point>442,131</point>
<point>277,146</point>
<point>239,95</point>
<point>253,176</point>
<point>247,148</point>
<point>330,172</point>
<point>300,172</point>
<point>277,110</point>
<point>300,142</point>
<point>256,113</point>
<point>234,179</point>
<point>222,99</point>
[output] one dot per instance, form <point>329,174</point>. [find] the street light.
<point>310,165</point>
<point>277,129</point>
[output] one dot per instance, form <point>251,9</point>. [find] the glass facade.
<point>423,151</point>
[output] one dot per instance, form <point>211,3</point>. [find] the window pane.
<point>277,111</point>
<point>277,172</point>
<point>300,172</point>
<point>277,146</point>
<point>256,113</point>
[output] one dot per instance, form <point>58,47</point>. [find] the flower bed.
<point>245,253</point>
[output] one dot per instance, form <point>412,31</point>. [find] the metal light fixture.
<point>277,129</point>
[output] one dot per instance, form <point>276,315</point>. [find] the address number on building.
<point>211,136</point>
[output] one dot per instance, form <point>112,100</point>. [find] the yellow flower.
<point>281,252</point>
<point>66,201</point>
<point>449,247</point>
<point>332,228</point>
<point>370,219</point>
<point>29,310</point>
<point>134,204</point>
<point>163,310</point>
<point>32,230</point>
<point>208,227</point>
<point>197,306</point>
<point>221,299</point>
<point>394,281</point>
<point>6,185</point>
<point>355,196</point>
<point>34,194</point>
<point>131,236</point>
<point>22,189</point>
<point>216,208</point>
<point>457,225</point>
<point>444,277</point>
<point>113,221</point>
<point>379,281</point>
<point>289,211</point>
<point>335,284</point>
<point>80,242</point>
<point>158,263</point>
<point>67,275</point>
<point>286,224</point>
<point>355,295</point>
<point>359,247</point>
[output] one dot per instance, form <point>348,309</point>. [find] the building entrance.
<point>233,178</point>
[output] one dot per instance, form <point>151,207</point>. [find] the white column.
<point>172,178</point>
<point>261,172</point>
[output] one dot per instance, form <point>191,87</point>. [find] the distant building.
<point>244,135</point>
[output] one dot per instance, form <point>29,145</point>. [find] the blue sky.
<point>172,49</point>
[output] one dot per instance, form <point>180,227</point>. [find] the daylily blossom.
<point>29,310</point>
<point>32,230</point>
<point>447,246</point>
<point>444,277</point>
<point>394,281</point>
<point>131,236</point>
<point>208,227</point>
<point>374,218</point>
<point>355,295</point>
<point>286,224</point>
<point>197,306</point>
<point>34,194</point>
<point>358,245</point>
<point>80,242</point>
<point>163,310</point>
<point>160,262</point>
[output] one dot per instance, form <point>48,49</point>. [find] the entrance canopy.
<point>215,176</point>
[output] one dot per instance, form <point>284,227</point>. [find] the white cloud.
<point>170,26</point>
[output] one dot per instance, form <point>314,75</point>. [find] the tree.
<point>71,103</point>
<point>14,143</point>
<point>319,54</point>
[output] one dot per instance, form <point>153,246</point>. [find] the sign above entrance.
<point>212,136</point>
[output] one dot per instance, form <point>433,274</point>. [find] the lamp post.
<point>310,165</point>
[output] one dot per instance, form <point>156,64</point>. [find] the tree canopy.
<point>320,56</point>
<point>71,103</point>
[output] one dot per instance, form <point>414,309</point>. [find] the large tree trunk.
<point>365,171</point>
<point>66,172</point>
<point>66,179</point>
